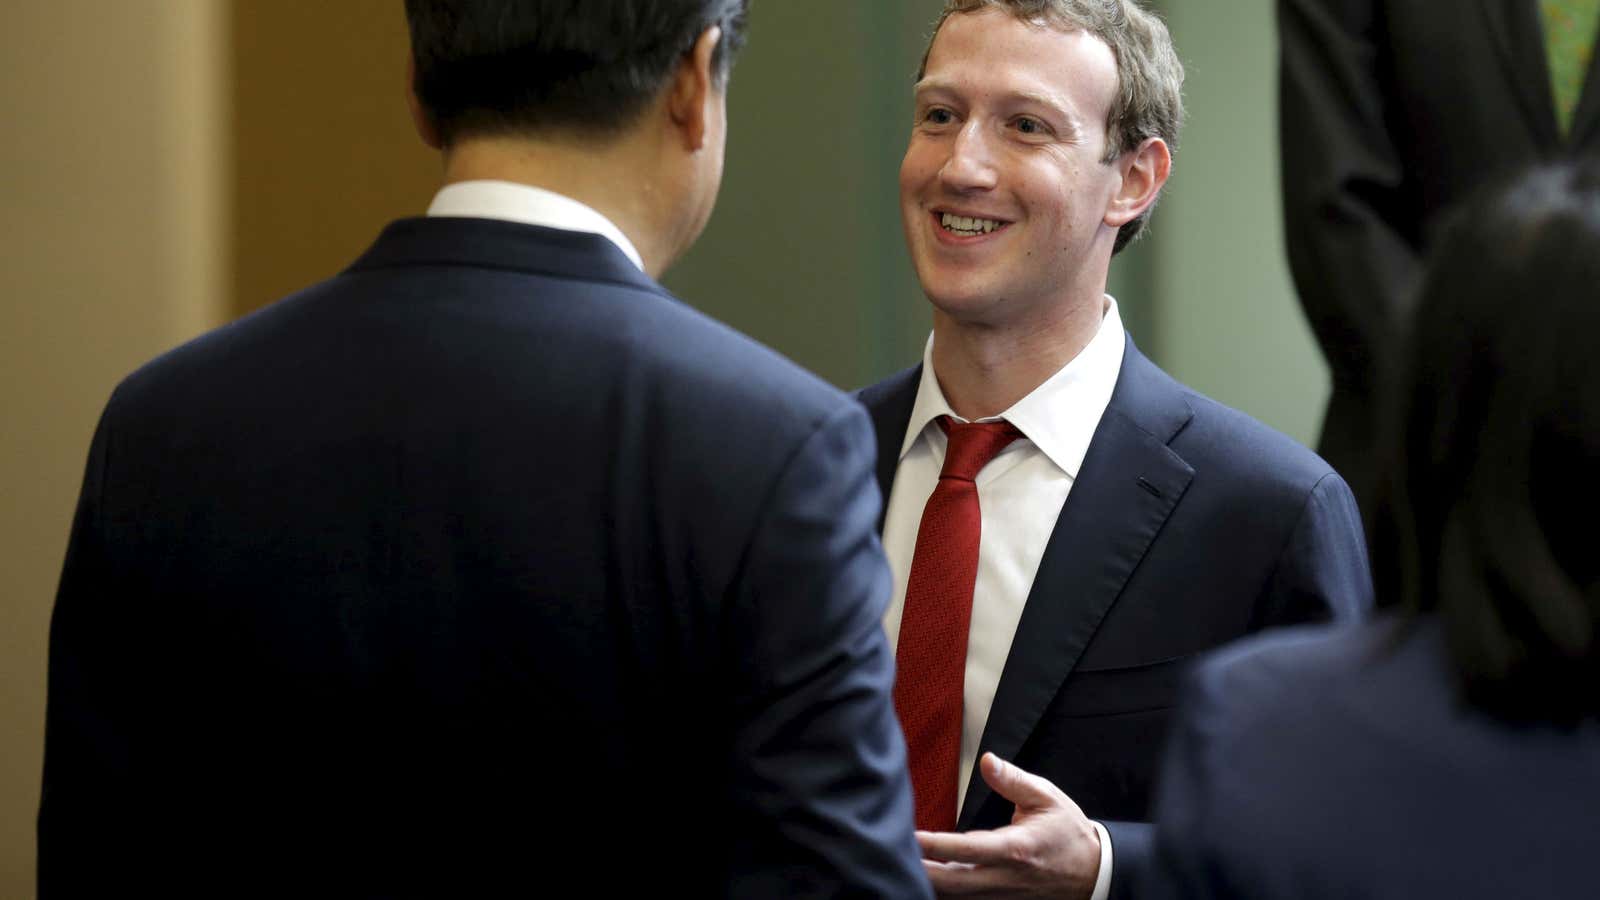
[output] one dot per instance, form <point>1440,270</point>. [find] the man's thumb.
<point>1022,788</point>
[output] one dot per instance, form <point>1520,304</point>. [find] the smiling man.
<point>1068,526</point>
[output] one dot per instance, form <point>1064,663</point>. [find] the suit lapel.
<point>889,404</point>
<point>1128,485</point>
<point>1519,38</point>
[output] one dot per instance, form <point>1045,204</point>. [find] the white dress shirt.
<point>513,202</point>
<point>1020,495</point>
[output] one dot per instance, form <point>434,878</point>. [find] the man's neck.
<point>611,179</point>
<point>984,370</point>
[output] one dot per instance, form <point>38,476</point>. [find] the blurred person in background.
<point>1392,112</point>
<point>1451,747</point>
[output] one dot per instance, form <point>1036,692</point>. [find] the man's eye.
<point>938,116</point>
<point>1027,125</point>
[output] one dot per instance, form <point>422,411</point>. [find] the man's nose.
<point>971,163</point>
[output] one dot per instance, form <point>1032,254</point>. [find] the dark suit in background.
<point>1330,763</point>
<point>1189,525</point>
<point>482,565</point>
<point>1392,112</point>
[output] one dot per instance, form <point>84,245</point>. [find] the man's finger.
<point>984,848</point>
<point>1024,789</point>
<point>961,879</point>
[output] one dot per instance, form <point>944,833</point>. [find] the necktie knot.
<point>973,445</point>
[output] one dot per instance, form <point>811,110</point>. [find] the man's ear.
<point>690,97</point>
<point>1144,172</point>
<point>426,129</point>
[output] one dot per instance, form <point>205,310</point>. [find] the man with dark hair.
<point>429,579</point>
<point>1068,526</point>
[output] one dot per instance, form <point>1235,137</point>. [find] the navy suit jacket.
<point>1189,525</point>
<point>1393,112</point>
<point>484,565</point>
<point>1335,763</point>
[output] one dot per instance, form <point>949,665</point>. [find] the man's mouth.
<point>968,226</point>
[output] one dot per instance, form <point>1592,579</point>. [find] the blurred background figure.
<point>1392,111</point>
<point>1452,747</point>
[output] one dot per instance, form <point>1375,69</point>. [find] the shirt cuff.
<point>1102,882</point>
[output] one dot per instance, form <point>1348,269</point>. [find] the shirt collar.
<point>1059,416</point>
<point>512,202</point>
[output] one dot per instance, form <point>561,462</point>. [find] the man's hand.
<point>1050,849</point>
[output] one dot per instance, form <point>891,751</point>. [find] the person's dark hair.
<point>1490,486</point>
<point>586,67</point>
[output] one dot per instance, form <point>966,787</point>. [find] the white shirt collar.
<point>1059,416</point>
<point>512,202</point>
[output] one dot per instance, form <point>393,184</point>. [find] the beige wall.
<point>805,249</point>
<point>109,253</point>
<point>1228,322</point>
<point>323,149</point>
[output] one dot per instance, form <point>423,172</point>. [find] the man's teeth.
<point>966,225</point>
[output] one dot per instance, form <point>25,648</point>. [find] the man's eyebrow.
<point>931,86</point>
<point>1050,100</point>
<point>1046,99</point>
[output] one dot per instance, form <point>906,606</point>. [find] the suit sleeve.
<point>1131,846</point>
<point>820,769</point>
<point>1351,242</point>
<point>1322,572</point>
<point>87,805</point>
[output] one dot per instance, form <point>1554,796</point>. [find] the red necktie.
<point>931,655</point>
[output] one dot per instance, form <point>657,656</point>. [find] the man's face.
<point>1002,191</point>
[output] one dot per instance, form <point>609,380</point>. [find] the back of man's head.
<point>541,67</point>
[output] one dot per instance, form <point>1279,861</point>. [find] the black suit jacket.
<point>1392,112</point>
<point>482,566</point>
<point>1189,525</point>
<point>1334,763</point>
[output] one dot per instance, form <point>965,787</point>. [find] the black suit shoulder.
<point>631,329</point>
<point>509,357</point>
<point>1340,762</point>
<point>1266,489</point>
<point>1250,455</point>
<point>1234,456</point>
<point>1264,534</point>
